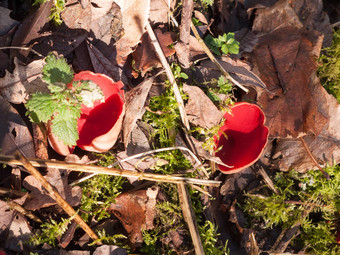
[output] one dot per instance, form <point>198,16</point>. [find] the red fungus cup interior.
<point>98,120</point>
<point>242,137</point>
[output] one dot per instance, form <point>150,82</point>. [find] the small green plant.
<point>309,200</point>
<point>224,44</point>
<point>208,2</point>
<point>58,7</point>
<point>329,67</point>
<point>113,240</point>
<point>62,105</point>
<point>50,231</point>
<point>208,233</point>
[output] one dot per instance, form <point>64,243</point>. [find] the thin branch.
<point>21,48</point>
<point>190,218</point>
<point>54,194</point>
<point>214,60</point>
<point>143,154</point>
<point>267,180</point>
<point>313,159</point>
<point>166,66</point>
<point>15,206</point>
<point>109,171</point>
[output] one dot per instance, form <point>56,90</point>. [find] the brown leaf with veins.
<point>58,178</point>
<point>145,57</point>
<point>136,210</point>
<point>285,60</point>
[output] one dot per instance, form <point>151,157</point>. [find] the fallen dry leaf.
<point>25,80</point>
<point>136,210</point>
<point>134,102</point>
<point>31,28</point>
<point>14,134</point>
<point>135,17</point>
<point>109,249</point>
<point>59,180</point>
<point>102,65</point>
<point>145,57</point>
<point>285,60</point>
<point>325,147</point>
<point>200,110</point>
<point>6,23</point>
<point>159,11</point>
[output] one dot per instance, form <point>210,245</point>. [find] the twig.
<point>109,171</point>
<point>214,60</point>
<point>18,193</point>
<point>267,180</point>
<point>166,66</point>
<point>144,154</point>
<point>21,48</point>
<point>15,206</point>
<point>313,159</point>
<point>54,194</point>
<point>190,218</point>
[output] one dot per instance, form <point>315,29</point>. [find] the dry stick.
<point>170,75</point>
<point>267,180</point>
<point>15,206</point>
<point>313,159</point>
<point>189,217</point>
<point>54,194</point>
<point>214,60</point>
<point>144,154</point>
<point>109,171</point>
<point>21,48</point>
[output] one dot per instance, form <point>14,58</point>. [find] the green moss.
<point>329,67</point>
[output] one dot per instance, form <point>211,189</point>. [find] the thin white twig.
<point>144,154</point>
<point>21,48</point>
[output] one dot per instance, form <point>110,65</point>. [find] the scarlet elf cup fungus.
<point>99,124</point>
<point>242,137</point>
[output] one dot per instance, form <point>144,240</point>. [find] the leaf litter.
<point>276,61</point>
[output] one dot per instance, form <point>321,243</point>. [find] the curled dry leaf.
<point>200,110</point>
<point>19,234</point>
<point>145,57</point>
<point>136,210</point>
<point>58,178</point>
<point>135,17</point>
<point>25,80</point>
<point>135,100</point>
<point>14,134</point>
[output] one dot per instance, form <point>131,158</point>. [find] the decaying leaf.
<point>160,11</point>
<point>325,147</point>
<point>135,17</point>
<point>6,23</point>
<point>17,86</point>
<point>145,57</point>
<point>109,249</point>
<point>102,65</point>
<point>134,101</point>
<point>19,234</point>
<point>200,109</point>
<point>14,134</point>
<point>285,60</point>
<point>31,28</point>
<point>59,180</point>
<point>136,211</point>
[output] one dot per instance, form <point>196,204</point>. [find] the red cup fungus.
<point>242,137</point>
<point>99,125</point>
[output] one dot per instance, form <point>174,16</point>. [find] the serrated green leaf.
<point>213,96</point>
<point>222,38</point>
<point>56,70</point>
<point>225,49</point>
<point>64,125</point>
<point>43,107</point>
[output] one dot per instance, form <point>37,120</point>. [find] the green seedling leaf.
<point>225,43</point>
<point>184,76</point>
<point>225,49</point>
<point>234,48</point>
<point>57,71</point>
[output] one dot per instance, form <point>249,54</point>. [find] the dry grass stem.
<point>15,206</point>
<point>109,171</point>
<point>190,218</point>
<point>54,194</point>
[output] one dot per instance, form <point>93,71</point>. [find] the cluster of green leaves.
<point>223,43</point>
<point>298,194</point>
<point>58,7</point>
<point>208,233</point>
<point>50,231</point>
<point>62,106</point>
<point>110,240</point>
<point>329,68</point>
